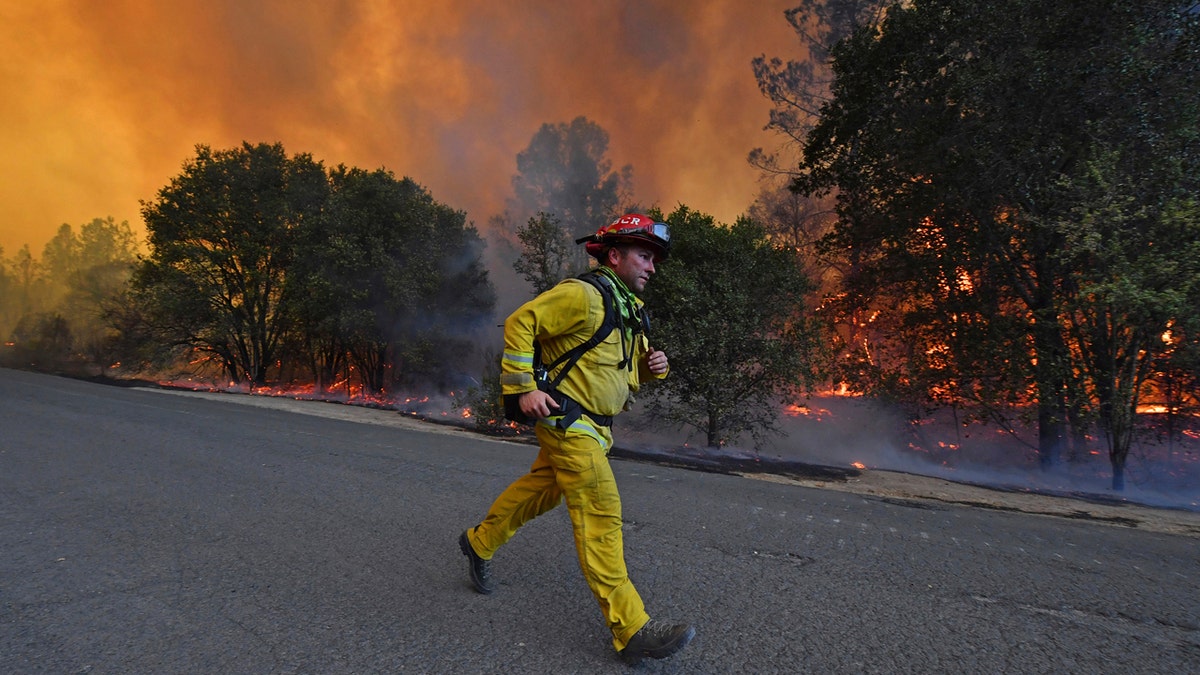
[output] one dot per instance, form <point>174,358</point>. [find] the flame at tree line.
<point>863,437</point>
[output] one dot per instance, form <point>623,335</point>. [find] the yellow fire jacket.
<point>566,316</point>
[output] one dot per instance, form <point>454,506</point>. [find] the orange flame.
<point>793,410</point>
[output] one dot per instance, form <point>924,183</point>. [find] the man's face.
<point>633,265</point>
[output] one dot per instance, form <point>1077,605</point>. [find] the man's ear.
<point>613,255</point>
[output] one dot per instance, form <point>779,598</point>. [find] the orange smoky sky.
<point>102,102</point>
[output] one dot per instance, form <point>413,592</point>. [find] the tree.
<point>8,313</point>
<point>727,306</point>
<point>1174,380</point>
<point>263,261</point>
<point>1137,271</point>
<point>565,174</point>
<point>69,292</point>
<point>389,281</point>
<point>27,279</point>
<point>60,262</point>
<point>978,153</point>
<point>26,292</point>
<point>798,89</point>
<point>799,222</point>
<point>546,253</point>
<point>220,238</point>
<point>106,253</point>
<point>42,340</point>
<point>454,293</point>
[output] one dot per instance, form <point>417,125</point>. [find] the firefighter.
<point>573,421</point>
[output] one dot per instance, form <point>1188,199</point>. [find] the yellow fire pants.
<point>573,465</point>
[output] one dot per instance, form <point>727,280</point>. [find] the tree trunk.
<point>232,369</point>
<point>1050,435</point>
<point>1118,467</point>
<point>714,436</point>
<point>1052,364</point>
<point>1118,417</point>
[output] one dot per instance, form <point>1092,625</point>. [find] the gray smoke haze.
<point>843,431</point>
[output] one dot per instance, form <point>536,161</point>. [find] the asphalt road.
<point>144,532</point>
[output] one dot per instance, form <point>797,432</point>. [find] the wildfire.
<point>965,284</point>
<point>858,465</point>
<point>1160,409</point>
<point>793,410</point>
<point>842,390</point>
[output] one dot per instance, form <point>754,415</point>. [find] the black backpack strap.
<point>571,409</point>
<point>611,320</point>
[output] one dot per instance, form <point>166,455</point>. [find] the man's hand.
<point>536,404</point>
<point>656,361</point>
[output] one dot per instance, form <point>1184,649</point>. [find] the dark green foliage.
<point>390,282</point>
<point>727,309</point>
<point>1015,186</point>
<point>268,262</point>
<point>546,253</point>
<point>221,242</point>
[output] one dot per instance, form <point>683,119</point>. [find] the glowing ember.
<point>793,410</point>
<point>842,390</point>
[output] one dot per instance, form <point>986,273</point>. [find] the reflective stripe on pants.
<point>573,465</point>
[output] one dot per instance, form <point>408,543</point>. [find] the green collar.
<point>626,294</point>
<point>627,303</point>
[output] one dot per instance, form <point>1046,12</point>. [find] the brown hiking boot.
<point>481,570</point>
<point>657,640</point>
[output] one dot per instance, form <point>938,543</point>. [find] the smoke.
<point>846,431</point>
<point>102,102</point>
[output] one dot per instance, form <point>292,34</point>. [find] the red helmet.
<point>631,228</point>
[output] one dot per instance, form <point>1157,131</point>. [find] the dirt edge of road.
<point>908,489</point>
<point>933,492</point>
